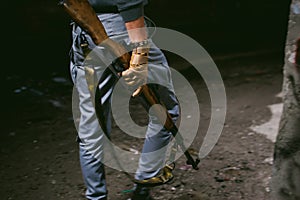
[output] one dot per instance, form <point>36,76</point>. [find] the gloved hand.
<point>136,75</point>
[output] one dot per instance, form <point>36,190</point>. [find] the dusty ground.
<point>39,155</point>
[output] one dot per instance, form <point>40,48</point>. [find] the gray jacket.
<point>129,9</point>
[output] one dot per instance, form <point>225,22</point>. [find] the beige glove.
<point>136,75</point>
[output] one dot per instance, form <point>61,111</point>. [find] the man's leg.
<point>90,134</point>
<point>91,139</point>
<point>94,175</point>
<point>157,138</point>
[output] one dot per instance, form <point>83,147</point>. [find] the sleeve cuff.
<point>133,13</point>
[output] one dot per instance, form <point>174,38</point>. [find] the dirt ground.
<point>39,155</point>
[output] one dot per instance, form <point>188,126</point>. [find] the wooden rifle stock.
<point>84,15</point>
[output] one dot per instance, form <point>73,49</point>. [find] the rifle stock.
<point>84,15</point>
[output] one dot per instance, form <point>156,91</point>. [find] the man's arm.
<point>132,12</point>
<point>136,30</point>
<point>138,67</point>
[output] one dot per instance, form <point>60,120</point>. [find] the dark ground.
<point>39,155</point>
<point>38,152</point>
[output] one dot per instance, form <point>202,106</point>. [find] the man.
<point>148,64</point>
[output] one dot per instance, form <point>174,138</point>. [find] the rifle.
<point>84,15</point>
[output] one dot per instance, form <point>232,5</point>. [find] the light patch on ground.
<point>270,128</point>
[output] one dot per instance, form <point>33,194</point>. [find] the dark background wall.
<point>226,26</point>
<point>37,36</point>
